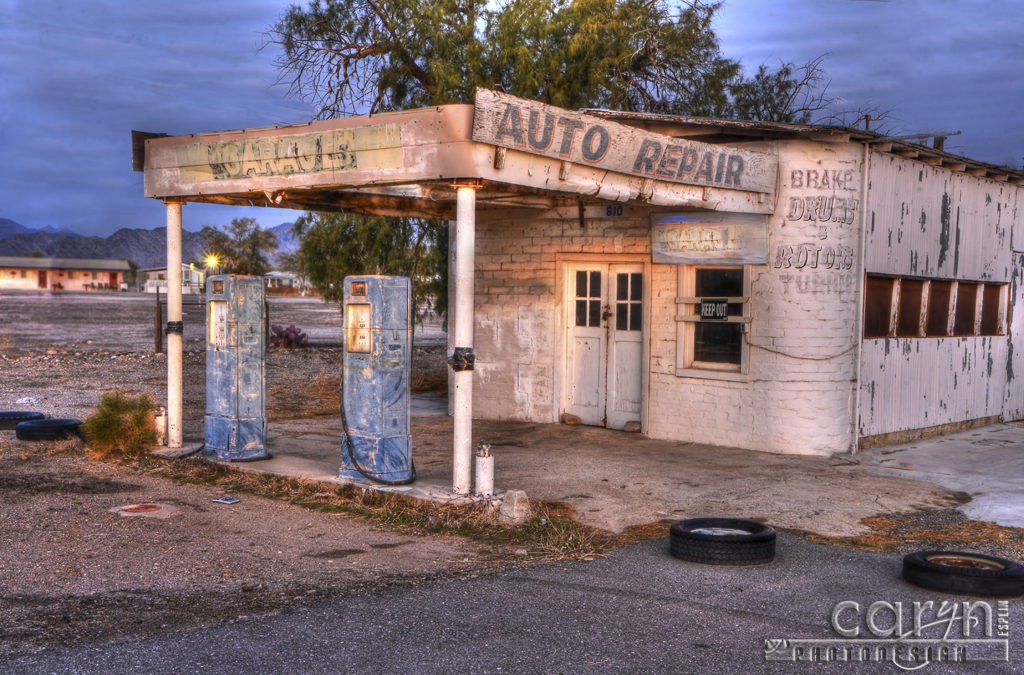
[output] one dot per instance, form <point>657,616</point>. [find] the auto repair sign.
<point>536,128</point>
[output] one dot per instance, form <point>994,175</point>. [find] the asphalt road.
<point>638,610</point>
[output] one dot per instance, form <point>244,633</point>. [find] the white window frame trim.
<point>687,317</point>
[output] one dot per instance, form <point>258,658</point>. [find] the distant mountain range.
<point>147,248</point>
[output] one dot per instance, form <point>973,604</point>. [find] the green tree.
<point>359,56</point>
<point>336,245</point>
<point>240,249</point>
<point>364,56</point>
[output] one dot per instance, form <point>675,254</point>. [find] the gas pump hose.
<point>350,449</point>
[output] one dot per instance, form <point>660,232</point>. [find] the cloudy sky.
<point>76,76</point>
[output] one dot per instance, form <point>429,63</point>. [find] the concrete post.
<point>462,358</point>
<point>174,334</point>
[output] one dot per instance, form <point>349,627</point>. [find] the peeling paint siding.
<point>516,308</point>
<point>923,382</point>
<point>1013,407</point>
<point>931,222</point>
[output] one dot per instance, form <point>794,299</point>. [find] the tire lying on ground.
<point>9,419</point>
<point>722,541</point>
<point>48,430</point>
<point>963,572</point>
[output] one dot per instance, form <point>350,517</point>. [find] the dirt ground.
<point>72,571</point>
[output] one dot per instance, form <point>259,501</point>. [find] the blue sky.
<point>76,76</point>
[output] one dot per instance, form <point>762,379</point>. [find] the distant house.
<point>192,279</point>
<point>285,283</point>
<point>62,274</point>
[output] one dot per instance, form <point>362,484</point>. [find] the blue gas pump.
<point>377,443</point>
<point>236,414</point>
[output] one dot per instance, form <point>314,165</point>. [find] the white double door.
<point>604,342</point>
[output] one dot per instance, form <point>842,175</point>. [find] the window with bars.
<point>910,307</point>
<point>711,321</point>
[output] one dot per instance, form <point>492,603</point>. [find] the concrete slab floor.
<point>986,463</point>
<point>615,480</point>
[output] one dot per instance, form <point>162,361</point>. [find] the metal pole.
<point>174,337</point>
<point>462,357</point>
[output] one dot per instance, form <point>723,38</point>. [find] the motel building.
<point>778,287</point>
<point>62,274</point>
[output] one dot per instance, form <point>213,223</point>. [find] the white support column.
<point>450,337</point>
<point>174,338</point>
<point>465,242</point>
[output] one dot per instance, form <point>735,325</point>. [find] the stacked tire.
<point>10,419</point>
<point>34,426</point>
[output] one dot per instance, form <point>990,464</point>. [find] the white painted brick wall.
<point>799,391</point>
<point>798,396</point>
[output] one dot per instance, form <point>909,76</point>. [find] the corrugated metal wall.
<point>929,222</point>
<point>918,383</point>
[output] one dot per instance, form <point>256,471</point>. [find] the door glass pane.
<point>595,284</point>
<point>622,315</point>
<point>622,287</point>
<point>581,284</point>
<point>595,313</point>
<point>581,312</point>
<point>634,316</point>
<point>636,287</point>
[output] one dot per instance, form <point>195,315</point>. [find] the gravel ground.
<point>73,572</point>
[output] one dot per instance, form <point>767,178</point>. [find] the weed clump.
<point>121,426</point>
<point>287,338</point>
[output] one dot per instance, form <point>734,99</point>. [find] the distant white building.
<point>285,283</point>
<point>62,274</point>
<point>192,279</point>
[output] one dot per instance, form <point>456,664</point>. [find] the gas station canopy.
<point>518,153</point>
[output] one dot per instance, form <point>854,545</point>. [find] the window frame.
<point>688,316</point>
<point>941,313</point>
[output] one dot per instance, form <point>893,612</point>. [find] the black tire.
<point>964,572</point>
<point>722,541</point>
<point>48,430</point>
<point>11,418</point>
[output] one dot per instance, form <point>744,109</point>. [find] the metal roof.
<point>711,130</point>
<point>29,262</point>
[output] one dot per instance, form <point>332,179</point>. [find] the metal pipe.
<point>465,242</point>
<point>858,335</point>
<point>174,338</point>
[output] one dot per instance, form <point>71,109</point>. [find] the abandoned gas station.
<point>786,288</point>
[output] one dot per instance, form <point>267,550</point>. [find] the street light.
<point>211,264</point>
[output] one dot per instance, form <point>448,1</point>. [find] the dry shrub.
<point>121,426</point>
